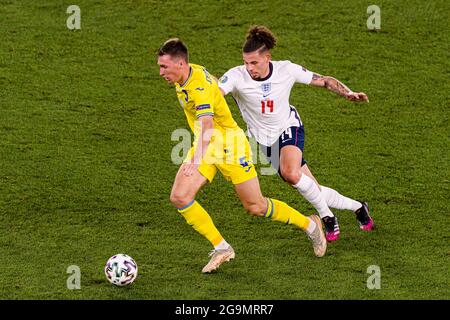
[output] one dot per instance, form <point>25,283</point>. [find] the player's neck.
<point>185,75</point>
<point>266,72</point>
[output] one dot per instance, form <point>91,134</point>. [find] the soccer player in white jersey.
<point>261,89</point>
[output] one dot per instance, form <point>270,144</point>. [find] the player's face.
<point>257,63</point>
<point>170,68</point>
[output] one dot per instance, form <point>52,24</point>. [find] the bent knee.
<point>291,175</point>
<point>180,200</point>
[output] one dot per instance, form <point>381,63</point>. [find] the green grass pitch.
<point>85,150</point>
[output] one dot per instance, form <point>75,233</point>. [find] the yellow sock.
<point>200,220</point>
<point>280,211</point>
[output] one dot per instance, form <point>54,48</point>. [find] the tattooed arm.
<point>338,87</point>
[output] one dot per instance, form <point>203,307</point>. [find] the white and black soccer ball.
<point>121,269</point>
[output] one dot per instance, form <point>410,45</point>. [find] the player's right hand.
<point>189,168</point>
<point>357,96</point>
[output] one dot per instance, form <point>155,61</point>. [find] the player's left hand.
<point>357,96</point>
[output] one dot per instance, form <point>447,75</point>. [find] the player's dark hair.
<point>259,38</point>
<point>175,48</point>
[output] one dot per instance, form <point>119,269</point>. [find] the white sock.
<point>335,200</point>
<point>222,245</point>
<point>311,192</point>
<point>311,227</point>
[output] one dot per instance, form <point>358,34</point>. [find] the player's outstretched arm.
<point>338,87</point>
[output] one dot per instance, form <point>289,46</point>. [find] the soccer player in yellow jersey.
<point>219,145</point>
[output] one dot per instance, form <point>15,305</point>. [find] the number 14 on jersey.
<point>266,106</point>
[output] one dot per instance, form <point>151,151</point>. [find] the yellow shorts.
<point>237,168</point>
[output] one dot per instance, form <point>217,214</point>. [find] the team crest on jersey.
<point>266,87</point>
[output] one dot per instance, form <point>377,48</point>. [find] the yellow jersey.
<point>200,96</point>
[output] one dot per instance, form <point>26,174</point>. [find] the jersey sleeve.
<point>203,98</point>
<point>300,74</point>
<point>227,81</point>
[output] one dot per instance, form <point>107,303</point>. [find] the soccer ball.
<point>121,269</point>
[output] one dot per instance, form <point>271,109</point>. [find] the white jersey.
<point>264,103</point>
